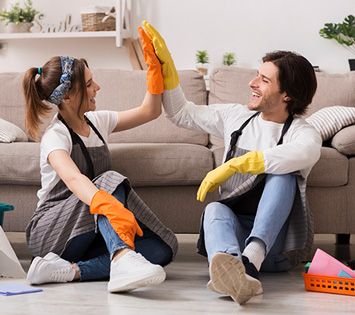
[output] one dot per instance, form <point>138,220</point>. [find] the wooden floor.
<point>184,291</point>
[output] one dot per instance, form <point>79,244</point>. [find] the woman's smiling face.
<point>91,89</point>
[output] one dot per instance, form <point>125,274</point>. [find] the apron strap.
<point>77,140</point>
<point>235,135</point>
<point>95,130</point>
<point>285,128</point>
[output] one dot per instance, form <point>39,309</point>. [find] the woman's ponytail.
<point>35,109</point>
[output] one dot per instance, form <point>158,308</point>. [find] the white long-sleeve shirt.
<point>298,153</point>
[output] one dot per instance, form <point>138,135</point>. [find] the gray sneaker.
<point>228,277</point>
<point>133,271</point>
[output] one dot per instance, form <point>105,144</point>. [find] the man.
<point>262,221</point>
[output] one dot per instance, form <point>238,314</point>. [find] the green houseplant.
<point>229,59</point>
<point>202,60</point>
<point>19,19</point>
<point>343,33</point>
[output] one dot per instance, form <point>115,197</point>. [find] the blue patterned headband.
<point>65,80</point>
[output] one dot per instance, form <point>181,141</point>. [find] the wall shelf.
<point>56,35</point>
<point>123,28</point>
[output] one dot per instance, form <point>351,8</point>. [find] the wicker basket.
<point>91,20</point>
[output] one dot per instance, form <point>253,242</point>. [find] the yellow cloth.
<point>170,76</point>
<point>155,83</point>
<point>121,219</point>
<point>251,162</point>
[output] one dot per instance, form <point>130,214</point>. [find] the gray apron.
<point>242,193</point>
<point>62,216</point>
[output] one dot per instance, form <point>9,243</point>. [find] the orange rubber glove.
<point>121,219</point>
<point>155,83</point>
<point>170,75</point>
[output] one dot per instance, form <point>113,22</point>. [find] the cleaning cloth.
<point>326,265</point>
<point>14,288</point>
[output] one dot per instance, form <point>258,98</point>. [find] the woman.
<point>82,225</point>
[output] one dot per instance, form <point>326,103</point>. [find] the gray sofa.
<point>166,164</point>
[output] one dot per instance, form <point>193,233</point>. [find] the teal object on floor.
<point>307,267</point>
<point>4,207</point>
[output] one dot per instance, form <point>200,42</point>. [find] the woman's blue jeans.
<point>92,252</point>
<point>230,233</point>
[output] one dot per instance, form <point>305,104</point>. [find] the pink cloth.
<point>326,265</point>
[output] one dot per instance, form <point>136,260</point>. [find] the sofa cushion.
<point>329,120</point>
<point>344,140</point>
<point>20,163</point>
<point>230,85</point>
<point>11,133</point>
<point>121,90</point>
<point>12,100</point>
<point>150,164</point>
<point>331,170</point>
<point>333,89</point>
<point>158,164</point>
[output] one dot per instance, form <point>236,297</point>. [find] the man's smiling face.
<point>266,97</point>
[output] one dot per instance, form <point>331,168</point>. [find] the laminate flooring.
<point>183,292</point>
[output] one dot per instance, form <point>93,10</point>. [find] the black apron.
<point>299,239</point>
<point>62,216</point>
<point>247,202</point>
<point>90,172</point>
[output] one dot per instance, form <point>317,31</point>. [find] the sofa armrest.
<point>344,140</point>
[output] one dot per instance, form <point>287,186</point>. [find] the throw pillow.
<point>329,120</point>
<point>344,140</point>
<point>11,133</point>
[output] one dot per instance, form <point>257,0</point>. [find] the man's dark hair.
<point>296,77</point>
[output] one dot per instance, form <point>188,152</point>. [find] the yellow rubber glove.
<point>155,83</point>
<point>170,76</point>
<point>121,219</point>
<point>251,162</point>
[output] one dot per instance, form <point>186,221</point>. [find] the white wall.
<point>248,28</point>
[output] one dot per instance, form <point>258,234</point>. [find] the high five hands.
<point>170,76</point>
<point>252,162</point>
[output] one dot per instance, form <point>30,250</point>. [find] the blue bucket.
<point>4,207</point>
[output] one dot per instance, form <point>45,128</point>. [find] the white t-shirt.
<point>57,137</point>
<point>298,153</point>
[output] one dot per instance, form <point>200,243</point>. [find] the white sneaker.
<point>50,268</point>
<point>133,271</point>
<point>52,256</point>
<point>228,277</point>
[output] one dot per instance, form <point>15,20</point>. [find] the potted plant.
<point>229,59</point>
<point>202,60</point>
<point>19,19</point>
<point>343,33</point>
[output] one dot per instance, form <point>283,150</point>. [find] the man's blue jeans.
<point>230,233</point>
<point>92,252</point>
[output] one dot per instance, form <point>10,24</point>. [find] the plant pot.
<point>201,67</point>
<point>19,28</point>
